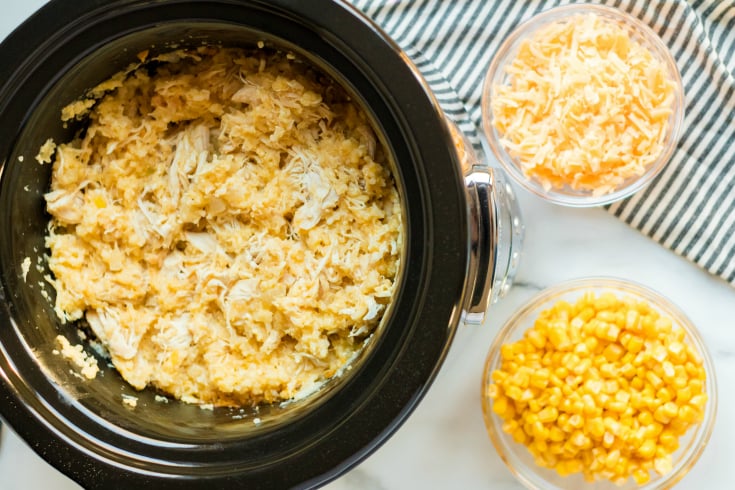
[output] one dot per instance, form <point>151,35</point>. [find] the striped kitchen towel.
<point>690,207</point>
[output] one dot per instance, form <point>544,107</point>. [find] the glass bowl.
<point>497,76</point>
<point>517,456</point>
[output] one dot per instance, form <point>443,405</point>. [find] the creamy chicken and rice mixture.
<point>226,224</point>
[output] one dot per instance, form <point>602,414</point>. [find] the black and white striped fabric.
<point>690,207</point>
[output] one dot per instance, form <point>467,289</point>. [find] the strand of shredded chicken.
<point>587,107</point>
<point>225,226</point>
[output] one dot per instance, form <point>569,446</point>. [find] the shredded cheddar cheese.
<point>226,224</point>
<point>586,107</point>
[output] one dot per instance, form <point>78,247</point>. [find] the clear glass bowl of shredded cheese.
<point>599,383</point>
<point>583,104</point>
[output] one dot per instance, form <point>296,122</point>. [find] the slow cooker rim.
<point>454,255</point>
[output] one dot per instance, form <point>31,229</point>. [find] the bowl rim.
<point>625,287</point>
<point>508,48</point>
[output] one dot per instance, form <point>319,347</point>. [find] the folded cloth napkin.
<point>690,207</point>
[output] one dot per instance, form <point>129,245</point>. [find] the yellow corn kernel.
<point>562,421</point>
<point>664,324</point>
<point>540,378</point>
<point>612,459</point>
<point>621,470</point>
<point>692,369</point>
<point>653,430</point>
<point>596,428</point>
<point>585,313</point>
<point>603,399</point>
<point>576,421</point>
<point>641,476</point>
<point>581,349</point>
<point>589,405</point>
<point>659,352</point>
<point>536,338</point>
<point>609,370</point>
<point>548,414</point>
<point>688,414</point>
<point>683,395</point>
<point>513,392</point>
<point>611,332</point>
<point>664,394</point>
<point>541,446</point>
<point>637,383</point>
<point>669,440</point>
<point>593,386</point>
<point>611,386</point>
<point>559,338</point>
<point>568,467</point>
<point>652,378</point>
<point>698,401</point>
<point>647,449</point>
<point>617,406</point>
<point>677,352</point>
<point>556,434</point>
<point>561,372</point>
<point>632,320</point>
<point>613,352</point>
<point>696,385</point>
<point>493,391</point>
<point>580,440</point>
<point>607,439</point>
<point>592,344</point>
<point>645,417</point>
<point>679,426</point>
<point>636,437</point>
<point>500,406</point>
<point>627,371</point>
<point>539,431</point>
<point>583,365</point>
<point>669,373</point>
<point>520,378</point>
<point>519,436</point>
<point>534,405</point>
<point>663,465</point>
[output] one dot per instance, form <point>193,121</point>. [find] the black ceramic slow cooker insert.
<point>460,224</point>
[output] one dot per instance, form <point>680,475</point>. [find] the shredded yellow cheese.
<point>586,107</point>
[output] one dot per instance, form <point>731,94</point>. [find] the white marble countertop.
<point>444,443</point>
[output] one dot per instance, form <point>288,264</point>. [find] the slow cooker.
<point>462,241</point>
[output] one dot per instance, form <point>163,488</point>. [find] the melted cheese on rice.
<point>226,226</point>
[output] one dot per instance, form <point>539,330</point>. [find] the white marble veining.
<point>444,443</point>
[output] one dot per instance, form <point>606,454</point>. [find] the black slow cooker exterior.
<point>81,427</point>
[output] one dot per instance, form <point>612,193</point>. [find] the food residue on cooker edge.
<point>604,386</point>
<point>586,106</point>
<point>76,355</point>
<point>227,225</point>
<point>25,268</point>
<point>46,153</point>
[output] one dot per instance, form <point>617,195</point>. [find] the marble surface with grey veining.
<point>444,444</point>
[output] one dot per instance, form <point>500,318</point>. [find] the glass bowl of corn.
<point>599,383</point>
<point>583,104</point>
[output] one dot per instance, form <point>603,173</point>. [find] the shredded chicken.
<point>227,226</point>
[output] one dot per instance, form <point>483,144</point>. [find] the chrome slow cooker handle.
<point>495,231</point>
